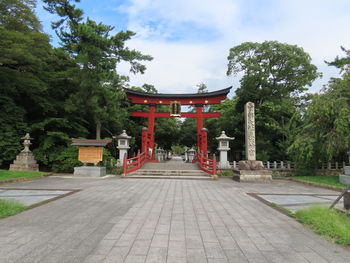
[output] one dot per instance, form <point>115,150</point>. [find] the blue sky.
<point>190,39</point>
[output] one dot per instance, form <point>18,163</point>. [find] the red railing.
<point>135,163</point>
<point>206,164</point>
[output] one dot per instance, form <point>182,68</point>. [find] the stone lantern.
<point>224,148</point>
<point>123,146</point>
<point>191,154</point>
<point>25,160</point>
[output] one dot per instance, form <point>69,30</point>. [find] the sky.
<point>190,39</point>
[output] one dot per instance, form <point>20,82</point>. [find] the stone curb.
<point>325,186</point>
<point>23,179</point>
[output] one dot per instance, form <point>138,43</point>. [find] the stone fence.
<point>288,165</point>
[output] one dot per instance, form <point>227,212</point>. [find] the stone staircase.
<point>173,169</point>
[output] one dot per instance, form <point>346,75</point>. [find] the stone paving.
<point>294,202</point>
<point>140,220</point>
<point>175,163</point>
<point>30,197</point>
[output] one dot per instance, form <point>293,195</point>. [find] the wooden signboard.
<point>90,154</point>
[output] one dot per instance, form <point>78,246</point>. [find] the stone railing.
<point>288,165</point>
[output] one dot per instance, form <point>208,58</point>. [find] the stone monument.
<point>250,169</point>
<point>90,151</point>
<point>123,146</point>
<point>25,160</point>
<point>223,148</point>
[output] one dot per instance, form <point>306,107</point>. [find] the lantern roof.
<point>123,135</point>
<point>224,137</point>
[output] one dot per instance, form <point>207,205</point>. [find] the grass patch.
<point>10,207</point>
<point>322,179</point>
<point>333,225</point>
<point>282,209</point>
<point>6,174</point>
<point>225,173</point>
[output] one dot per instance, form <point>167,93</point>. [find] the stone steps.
<point>203,177</point>
<point>170,174</point>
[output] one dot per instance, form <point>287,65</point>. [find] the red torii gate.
<point>196,99</point>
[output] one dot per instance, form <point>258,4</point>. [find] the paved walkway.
<point>175,163</point>
<point>138,220</point>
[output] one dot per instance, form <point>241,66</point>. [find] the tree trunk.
<point>98,130</point>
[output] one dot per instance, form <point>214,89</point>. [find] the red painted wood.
<point>144,141</point>
<point>206,164</point>
<point>183,114</point>
<point>151,118</point>
<point>133,164</point>
<point>206,101</point>
<point>199,112</point>
<point>204,142</point>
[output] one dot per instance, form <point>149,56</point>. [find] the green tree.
<point>188,134</point>
<point>202,88</point>
<point>24,57</point>
<point>97,53</point>
<point>274,76</point>
<point>325,132</point>
<point>167,132</point>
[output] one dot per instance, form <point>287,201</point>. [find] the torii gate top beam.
<point>214,97</point>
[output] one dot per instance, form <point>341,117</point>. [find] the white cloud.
<point>178,66</point>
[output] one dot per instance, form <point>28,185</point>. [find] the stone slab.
<point>347,170</point>
<point>90,171</point>
<point>295,202</point>
<point>344,179</point>
<point>30,197</point>
<point>252,175</point>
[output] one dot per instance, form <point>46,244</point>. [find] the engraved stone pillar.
<point>249,116</point>
<point>251,169</point>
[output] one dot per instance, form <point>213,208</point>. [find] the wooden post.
<point>204,141</point>
<point>214,167</point>
<point>125,165</point>
<point>275,165</point>
<point>144,139</point>
<point>151,118</point>
<point>199,111</point>
<point>268,165</point>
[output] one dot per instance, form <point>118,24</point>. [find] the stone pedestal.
<point>223,163</point>
<point>249,171</point>
<point>90,171</point>
<point>345,178</point>
<point>25,160</point>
